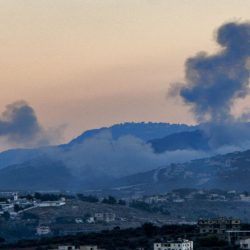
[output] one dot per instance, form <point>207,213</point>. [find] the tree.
<point>37,196</point>
<point>2,240</point>
<point>6,215</point>
<point>88,198</point>
<point>110,200</point>
<point>122,202</point>
<point>17,208</point>
<point>149,229</point>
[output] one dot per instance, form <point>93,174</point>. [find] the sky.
<point>85,64</point>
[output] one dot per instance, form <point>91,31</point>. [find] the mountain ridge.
<point>142,130</point>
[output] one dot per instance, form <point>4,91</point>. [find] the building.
<point>244,198</point>
<point>88,248</point>
<point>43,230</point>
<point>90,220</point>
<point>105,217</point>
<point>66,247</point>
<point>179,244</point>
<point>51,203</point>
<point>234,237</point>
<point>72,247</point>
<point>15,196</point>
<point>78,220</point>
<point>218,226</point>
<point>245,243</point>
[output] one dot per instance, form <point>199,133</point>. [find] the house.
<point>66,247</point>
<point>51,203</point>
<point>180,244</point>
<point>78,220</point>
<point>109,217</point>
<point>105,217</point>
<point>178,200</point>
<point>90,220</point>
<point>43,230</point>
<point>218,225</point>
<point>245,243</point>
<point>72,247</point>
<point>244,198</point>
<point>99,216</point>
<point>88,248</point>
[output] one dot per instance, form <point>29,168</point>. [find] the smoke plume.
<point>214,82</point>
<point>19,126</point>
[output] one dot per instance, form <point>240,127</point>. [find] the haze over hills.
<point>29,168</point>
<point>59,167</point>
<point>116,155</point>
<point>226,172</point>
<point>222,171</point>
<point>144,131</point>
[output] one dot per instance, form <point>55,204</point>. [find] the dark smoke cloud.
<point>215,81</point>
<point>19,126</point>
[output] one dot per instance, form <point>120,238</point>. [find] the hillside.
<point>183,140</point>
<point>71,170</point>
<point>41,173</point>
<point>230,171</point>
<point>144,131</point>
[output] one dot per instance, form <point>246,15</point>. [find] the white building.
<point>43,230</point>
<point>78,220</point>
<point>245,243</point>
<point>244,198</point>
<point>90,220</point>
<point>15,196</point>
<point>51,203</point>
<point>179,244</point>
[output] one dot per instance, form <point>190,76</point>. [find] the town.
<point>214,233</point>
<point>42,215</point>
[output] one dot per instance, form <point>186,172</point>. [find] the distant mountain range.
<point>36,169</point>
<point>144,131</point>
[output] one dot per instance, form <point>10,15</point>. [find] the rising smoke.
<point>104,156</point>
<point>214,82</point>
<point>19,126</point>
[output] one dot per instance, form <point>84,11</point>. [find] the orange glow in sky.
<point>92,63</point>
